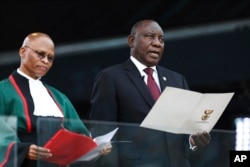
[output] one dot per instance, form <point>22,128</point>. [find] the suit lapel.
<point>137,80</point>
<point>162,78</point>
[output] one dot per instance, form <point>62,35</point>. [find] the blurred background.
<point>207,41</point>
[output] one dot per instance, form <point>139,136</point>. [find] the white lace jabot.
<point>43,102</point>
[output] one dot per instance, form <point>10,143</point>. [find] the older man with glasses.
<point>24,96</point>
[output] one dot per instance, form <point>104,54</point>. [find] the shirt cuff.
<point>191,147</point>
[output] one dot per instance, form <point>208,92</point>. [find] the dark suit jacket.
<point>121,95</point>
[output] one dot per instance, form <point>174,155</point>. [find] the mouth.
<point>43,68</point>
<point>154,54</point>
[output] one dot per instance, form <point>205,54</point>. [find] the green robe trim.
<point>13,102</point>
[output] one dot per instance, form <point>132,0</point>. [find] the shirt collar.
<point>25,75</point>
<point>141,66</point>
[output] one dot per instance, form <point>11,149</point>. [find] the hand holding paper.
<point>199,140</point>
<point>67,147</point>
<point>185,111</point>
<point>102,142</point>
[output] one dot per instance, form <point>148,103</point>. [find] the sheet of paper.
<point>186,112</point>
<point>67,147</point>
<point>101,142</point>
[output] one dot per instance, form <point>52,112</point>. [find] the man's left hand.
<point>200,139</point>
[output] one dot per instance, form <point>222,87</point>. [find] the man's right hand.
<point>36,152</point>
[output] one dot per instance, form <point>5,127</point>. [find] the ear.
<point>131,39</point>
<point>21,51</point>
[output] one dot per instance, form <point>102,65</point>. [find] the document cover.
<point>67,146</point>
<point>185,111</point>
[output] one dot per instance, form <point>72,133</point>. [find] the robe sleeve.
<point>12,153</point>
<point>72,121</point>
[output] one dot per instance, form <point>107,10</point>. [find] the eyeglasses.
<point>41,55</point>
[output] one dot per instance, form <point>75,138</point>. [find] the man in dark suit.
<point>120,94</point>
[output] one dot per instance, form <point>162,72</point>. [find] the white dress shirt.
<point>141,67</point>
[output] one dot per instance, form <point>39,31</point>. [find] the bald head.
<point>32,37</point>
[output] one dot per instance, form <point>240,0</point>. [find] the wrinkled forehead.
<point>38,38</point>
<point>42,41</point>
<point>151,27</point>
<point>43,44</point>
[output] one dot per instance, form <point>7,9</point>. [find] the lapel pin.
<point>164,78</point>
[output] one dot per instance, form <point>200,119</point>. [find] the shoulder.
<point>112,70</point>
<point>174,78</point>
<point>168,71</point>
<point>5,88</point>
<point>5,83</point>
<point>119,69</point>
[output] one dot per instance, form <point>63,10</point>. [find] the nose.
<point>157,42</point>
<point>45,59</point>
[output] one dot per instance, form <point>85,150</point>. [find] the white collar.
<point>44,105</point>
<point>141,66</point>
<point>25,75</point>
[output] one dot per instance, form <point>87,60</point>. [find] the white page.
<point>180,111</point>
<point>101,142</point>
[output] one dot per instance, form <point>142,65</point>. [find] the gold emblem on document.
<point>206,114</point>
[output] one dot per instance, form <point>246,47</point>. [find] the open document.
<point>68,147</point>
<point>101,142</point>
<point>186,112</point>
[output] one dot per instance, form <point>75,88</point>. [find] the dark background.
<point>207,41</point>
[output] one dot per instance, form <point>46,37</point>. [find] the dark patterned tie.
<point>152,86</point>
